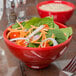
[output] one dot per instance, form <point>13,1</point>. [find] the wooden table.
<point>53,69</point>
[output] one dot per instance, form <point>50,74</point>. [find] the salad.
<point>38,32</point>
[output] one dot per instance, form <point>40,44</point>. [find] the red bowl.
<point>62,16</point>
<point>37,58</point>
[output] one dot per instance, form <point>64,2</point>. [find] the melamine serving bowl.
<point>59,16</point>
<point>37,58</point>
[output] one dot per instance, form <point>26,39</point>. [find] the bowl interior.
<point>59,2</point>
<point>15,45</point>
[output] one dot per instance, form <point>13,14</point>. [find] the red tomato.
<point>23,43</point>
<point>47,45</point>
<point>14,35</point>
<point>46,25</point>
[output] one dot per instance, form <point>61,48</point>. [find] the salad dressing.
<point>55,7</point>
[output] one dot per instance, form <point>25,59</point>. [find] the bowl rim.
<point>31,48</point>
<point>62,2</point>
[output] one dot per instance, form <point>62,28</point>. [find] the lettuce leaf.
<point>49,21</point>
<point>32,21</point>
<point>33,45</point>
<point>59,35</point>
<point>16,25</point>
<point>68,31</point>
<point>37,22</point>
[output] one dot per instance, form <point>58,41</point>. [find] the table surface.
<point>54,68</point>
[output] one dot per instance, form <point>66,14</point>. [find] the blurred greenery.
<point>73,1</point>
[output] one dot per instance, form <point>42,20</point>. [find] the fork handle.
<point>65,73</point>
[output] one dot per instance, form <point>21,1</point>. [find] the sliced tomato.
<point>47,45</point>
<point>14,35</point>
<point>46,26</point>
<point>23,43</point>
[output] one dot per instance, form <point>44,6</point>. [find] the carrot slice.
<point>20,24</point>
<point>29,30</point>
<point>22,34</point>
<point>65,34</point>
<point>8,34</point>
<point>21,43</point>
<point>44,37</point>
<point>43,34</point>
<point>52,36</point>
<point>36,42</point>
<point>34,27</point>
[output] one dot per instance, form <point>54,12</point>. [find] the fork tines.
<point>71,67</point>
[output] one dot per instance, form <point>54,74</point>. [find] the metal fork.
<point>70,69</point>
<point>22,67</point>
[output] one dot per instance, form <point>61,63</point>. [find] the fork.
<point>70,69</point>
<point>22,68</point>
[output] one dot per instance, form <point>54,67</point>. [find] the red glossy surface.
<point>37,57</point>
<point>61,17</point>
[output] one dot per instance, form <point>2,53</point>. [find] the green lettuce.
<point>59,35</point>
<point>32,21</point>
<point>33,45</point>
<point>16,25</point>
<point>68,31</point>
<point>47,20</point>
<point>37,22</point>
